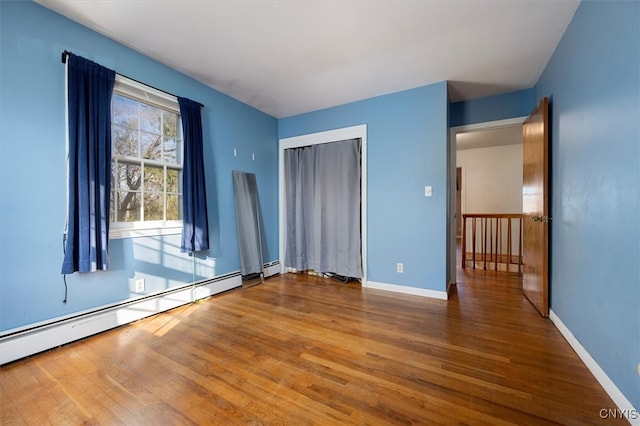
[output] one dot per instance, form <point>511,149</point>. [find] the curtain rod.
<point>64,61</point>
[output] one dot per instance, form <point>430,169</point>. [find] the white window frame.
<point>140,92</point>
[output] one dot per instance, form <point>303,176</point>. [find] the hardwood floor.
<point>306,350</point>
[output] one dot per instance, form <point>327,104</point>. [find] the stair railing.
<point>495,241</point>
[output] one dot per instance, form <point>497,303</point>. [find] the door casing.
<point>354,132</point>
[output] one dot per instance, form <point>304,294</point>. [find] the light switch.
<point>427,191</point>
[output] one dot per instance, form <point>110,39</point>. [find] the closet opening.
<point>323,204</point>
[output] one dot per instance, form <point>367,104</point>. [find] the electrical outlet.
<point>399,268</point>
<point>139,285</point>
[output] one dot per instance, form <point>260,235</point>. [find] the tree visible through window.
<point>146,162</point>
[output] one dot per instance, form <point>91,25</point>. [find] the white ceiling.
<point>287,57</point>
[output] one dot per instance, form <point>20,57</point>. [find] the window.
<point>146,161</point>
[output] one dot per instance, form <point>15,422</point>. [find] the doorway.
<point>355,132</point>
<point>488,173</point>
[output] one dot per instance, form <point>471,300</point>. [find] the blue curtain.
<point>90,87</point>
<point>195,230</point>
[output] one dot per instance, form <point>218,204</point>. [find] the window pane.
<point>170,135</point>
<point>150,145</point>
<point>150,119</point>
<point>112,207</point>
<point>153,193</point>
<point>114,175</point>
<point>173,183</point>
<point>128,206</point>
<point>170,123</point>
<point>171,151</point>
<point>125,112</point>
<point>125,141</point>
<point>129,176</point>
<point>153,206</point>
<point>174,206</point>
<point>153,179</point>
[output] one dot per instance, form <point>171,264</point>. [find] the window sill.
<point>118,233</point>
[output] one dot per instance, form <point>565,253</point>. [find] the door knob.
<point>544,219</point>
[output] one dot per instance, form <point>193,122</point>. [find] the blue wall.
<point>407,149</point>
<point>492,108</point>
<point>593,82</point>
<point>32,167</point>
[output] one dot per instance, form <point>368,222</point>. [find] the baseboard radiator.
<point>29,340</point>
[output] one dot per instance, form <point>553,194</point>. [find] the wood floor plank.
<point>307,350</point>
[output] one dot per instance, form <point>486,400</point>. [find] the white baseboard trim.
<point>25,341</point>
<point>623,404</point>
<point>442,295</point>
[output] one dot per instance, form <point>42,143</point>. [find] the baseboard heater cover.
<point>25,341</point>
<point>271,268</point>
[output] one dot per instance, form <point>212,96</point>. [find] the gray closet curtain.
<point>323,204</point>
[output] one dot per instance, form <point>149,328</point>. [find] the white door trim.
<point>485,126</point>
<point>354,132</point>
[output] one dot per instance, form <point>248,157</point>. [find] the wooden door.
<point>535,207</point>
